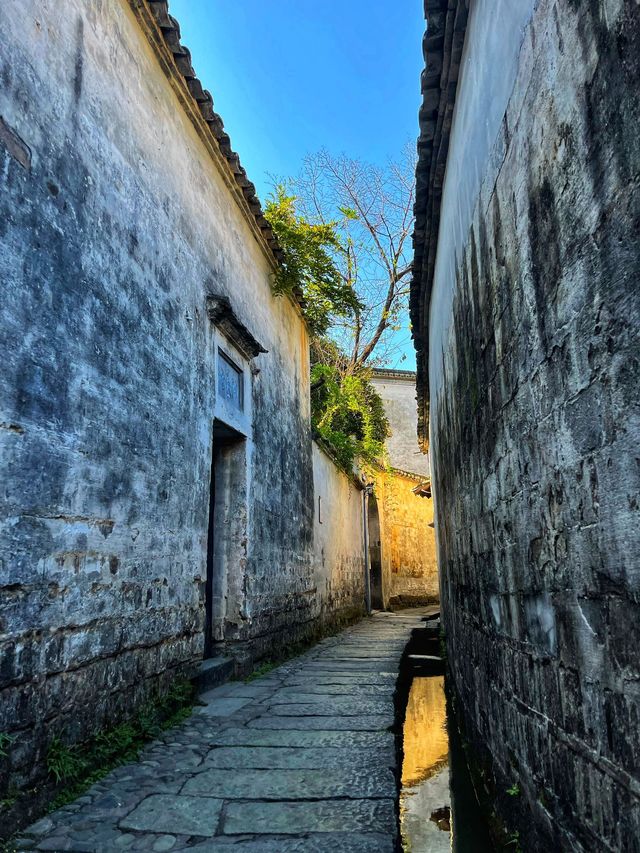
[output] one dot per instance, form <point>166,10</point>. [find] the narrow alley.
<point>255,436</point>
<point>300,759</point>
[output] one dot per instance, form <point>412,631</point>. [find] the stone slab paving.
<point>301,760</point>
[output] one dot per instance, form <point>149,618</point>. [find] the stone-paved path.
<point>301,759</point>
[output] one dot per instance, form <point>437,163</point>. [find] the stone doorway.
<point>375,554</point>
<point>227,511</point>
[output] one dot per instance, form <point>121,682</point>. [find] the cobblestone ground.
<point>301,759</point>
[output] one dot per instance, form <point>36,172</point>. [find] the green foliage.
<point>346,410</point>
<point>12,797</point>
<point>262,669</point>
<point>514,790</point>
<point>78,766</point>
<point>514,842</point>
<point>64,762</point>
<point>309,265</point>
<point>348,213</point>
<point>5,742</point>
<point>348,414</point>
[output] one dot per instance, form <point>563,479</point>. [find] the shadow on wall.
<point>375,554</point>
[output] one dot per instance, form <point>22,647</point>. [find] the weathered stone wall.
<point>115,224</point>
<point>338,536</point>
<point>535,412</point>
<point>409,564</point>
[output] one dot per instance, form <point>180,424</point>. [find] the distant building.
<point>404,569</point>
<point>398,391</point>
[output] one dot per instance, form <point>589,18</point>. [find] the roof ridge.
<point>390,371</point>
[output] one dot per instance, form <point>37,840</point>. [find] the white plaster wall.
<point>488,71</point>
<point>399,398</point>
<point>489,67</point>
<point>140,149</point>
<point>338,536</point>
<point>112,237</point>
<point>534,408</point>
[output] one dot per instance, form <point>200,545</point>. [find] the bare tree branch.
<point>372,208</point>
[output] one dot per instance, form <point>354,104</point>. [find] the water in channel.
<point>438,809</point>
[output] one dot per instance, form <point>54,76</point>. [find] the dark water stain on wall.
<point>78,66</point>
<point>537,431</point>
<point>107,389</point>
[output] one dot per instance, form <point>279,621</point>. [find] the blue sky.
<point>290,77</point>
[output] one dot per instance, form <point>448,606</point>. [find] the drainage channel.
<point>438,808</point>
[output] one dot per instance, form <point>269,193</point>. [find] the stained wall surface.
<point>338,535</point>
<point>115,225</point>
<point>535,412</point>
<point>409,564</point>
<point>407,538</point>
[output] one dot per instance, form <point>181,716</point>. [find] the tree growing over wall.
<point>346,410</point>
<point>372,209</point>
<point>309,269</point>
<point>344,228</point>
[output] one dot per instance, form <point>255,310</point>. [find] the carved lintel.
<point>223,316</point>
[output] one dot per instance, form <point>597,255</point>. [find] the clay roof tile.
<point>170,29</point>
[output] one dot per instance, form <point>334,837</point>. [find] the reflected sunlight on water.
<point>425,797</point>
<point>425,740</point>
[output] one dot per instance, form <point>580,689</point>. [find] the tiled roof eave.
<point>442,46</point>
<point>163,33</point>
<point>387,373</point>
<point>400,472</point>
